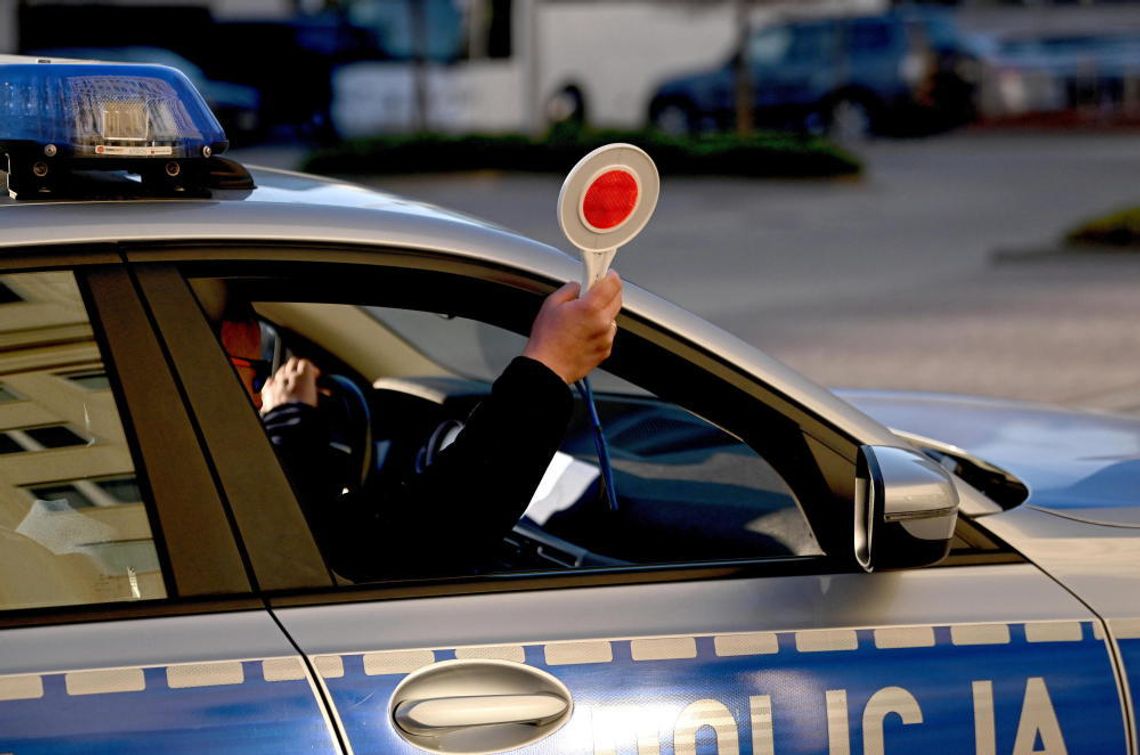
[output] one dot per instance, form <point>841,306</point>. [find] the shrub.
<point>760,155</point>
<point>1119,229</point>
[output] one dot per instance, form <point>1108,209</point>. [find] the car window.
<point>687,489</point>
<point>769,46</point>
<point>871,36</point>
<point>73,525</point>
<point>393,24</point>
<point>942,33</point>
<point>812,43</point>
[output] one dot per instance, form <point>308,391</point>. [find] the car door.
<point>128,618</point>
<point>876,57</point>
<point>794,652</point>
<point>794,67</point>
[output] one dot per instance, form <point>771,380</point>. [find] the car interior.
<point>687,490</point>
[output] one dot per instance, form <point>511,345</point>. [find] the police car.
<point>779,571</point>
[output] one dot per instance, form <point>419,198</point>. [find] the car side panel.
<point>224,683</point>
<point>1005,661</point>
<point>796,691</point>
<point>1126,633</point>
<point>1098,564</point>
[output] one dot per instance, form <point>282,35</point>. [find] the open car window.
<point>470,348</point>
<point>688,488</point>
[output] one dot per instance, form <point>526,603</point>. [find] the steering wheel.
<point>345,409</point>
<point>443,436</point>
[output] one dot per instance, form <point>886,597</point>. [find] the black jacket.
<point>446,519</point>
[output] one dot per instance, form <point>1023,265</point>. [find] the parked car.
<point>237,106</point>
<point>1097,74</point>
<point>849,77</point>
<point>759,586</point>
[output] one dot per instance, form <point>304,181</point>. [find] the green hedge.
<point>1120,230</point>
<point>761,155</point>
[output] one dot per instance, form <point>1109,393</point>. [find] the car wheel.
<point>850,121</point>
<point>567,107</point>
<point>674,119</point>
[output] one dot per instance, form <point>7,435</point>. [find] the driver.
<point>457,509</point>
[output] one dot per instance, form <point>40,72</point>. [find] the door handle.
<point>478,706</point>
<point>428,717</point>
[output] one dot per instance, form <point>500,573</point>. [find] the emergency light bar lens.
<point>610,199</point>
<point>102,110</point>
<point>125,121</point>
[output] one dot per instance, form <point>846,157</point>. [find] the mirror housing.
<point>906,506</point>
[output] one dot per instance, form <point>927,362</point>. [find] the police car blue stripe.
<point>235,706</point>
<point>986,688</point>
<point>1127,635</point>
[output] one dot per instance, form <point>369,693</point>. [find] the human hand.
<point>294,382</point>
<point>572,336</point>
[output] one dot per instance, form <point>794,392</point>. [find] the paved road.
<point>890,281</point>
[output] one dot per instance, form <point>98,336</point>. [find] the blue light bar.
<point>74,115</point>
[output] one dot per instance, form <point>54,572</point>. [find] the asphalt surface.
<point>937,271</point>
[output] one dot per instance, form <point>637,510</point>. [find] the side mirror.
<point>906,506</point>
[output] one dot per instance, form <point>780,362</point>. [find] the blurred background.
<point>939,196</point>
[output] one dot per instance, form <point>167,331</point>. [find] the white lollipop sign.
<point>606,199</point>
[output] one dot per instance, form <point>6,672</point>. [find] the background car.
<point>1083,74</point>
<point>847,76</point>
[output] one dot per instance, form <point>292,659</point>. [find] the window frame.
<point>277,544</point>
<point>230,399</point>
<point>296,264</point>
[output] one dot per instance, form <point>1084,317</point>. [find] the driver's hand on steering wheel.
<point>572,336</point>
<point>294,382</point>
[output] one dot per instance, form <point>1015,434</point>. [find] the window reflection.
<point>73,527</point>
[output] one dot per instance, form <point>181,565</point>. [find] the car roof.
<point>292,208</point>
<point>284,206</point>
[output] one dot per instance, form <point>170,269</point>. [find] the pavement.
<point>938,271</point>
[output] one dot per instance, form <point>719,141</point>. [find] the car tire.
<point>674,117</point>
<point>567,107</point>
<point>850,120</point>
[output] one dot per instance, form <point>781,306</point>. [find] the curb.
<point>1092,252</point>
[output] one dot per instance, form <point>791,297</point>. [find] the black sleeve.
<point>300,436</point>
<point>460,507</point>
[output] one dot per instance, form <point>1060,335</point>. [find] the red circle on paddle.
<point>610,199</point>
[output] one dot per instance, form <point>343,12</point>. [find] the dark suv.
<point>848,77</point>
